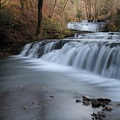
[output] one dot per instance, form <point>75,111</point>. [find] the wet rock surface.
<point>102,103</point>
<point>104,107</point>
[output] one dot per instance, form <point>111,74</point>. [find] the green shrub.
<point>53,29</point>
<point>110,27</point>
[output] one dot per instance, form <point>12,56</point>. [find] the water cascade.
<point>92,26</point>
<point>98,53</point>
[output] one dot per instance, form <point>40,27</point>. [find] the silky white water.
<point>86,26</point>
<point>91,58</point>
<point>105,87</point>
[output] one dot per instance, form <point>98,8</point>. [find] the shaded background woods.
<point>19,19</point>
<point>40,4</point>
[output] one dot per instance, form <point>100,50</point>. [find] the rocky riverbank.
<point>33,104</point>
<point>3,55</point>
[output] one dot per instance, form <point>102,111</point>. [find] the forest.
<point>24,21</point>
<point>59,59</point>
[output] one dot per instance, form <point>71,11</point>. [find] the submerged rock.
<point>95,103</point>
<point>98,116</point>
<point>104,100</point>
<point>118,104</point>
<point>101,114</point>
<point>86,103</point>
<point>78,101</point>
<point>24,107</point>
<point>86,98</point>
<point>51,96</point>
<point>108,108</point>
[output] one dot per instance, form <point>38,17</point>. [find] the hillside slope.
<point>18,27</point>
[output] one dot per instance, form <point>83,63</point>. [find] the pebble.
<point>24,107</point>
<point>52,96</point>
<point>86,98</point>
<point>78,100</point>
<point>108,108</point>
<point>86,103</point>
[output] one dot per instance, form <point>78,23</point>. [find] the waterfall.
<point>98,56</point>
<point>86,26</point>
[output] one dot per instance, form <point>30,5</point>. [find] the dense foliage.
<point>18,26</point>
<point>18,19</point>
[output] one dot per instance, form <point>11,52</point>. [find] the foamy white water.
<point>86,26</point>
<point>110,87</point>
<point>92,58</point>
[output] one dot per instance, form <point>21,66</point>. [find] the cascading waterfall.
<point>92,26</point>
<point>37,49</point>
<point>100,57</point>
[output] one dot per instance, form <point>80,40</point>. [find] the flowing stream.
<point>93,26</point>
<point>92,58</point>
<point>99,57</point>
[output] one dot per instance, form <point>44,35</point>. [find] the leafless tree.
<point>40,4</point>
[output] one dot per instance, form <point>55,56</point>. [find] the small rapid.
<point>99,56</point>
<point>101,60</point>
<point>93,26</point>
<point>92,58</point>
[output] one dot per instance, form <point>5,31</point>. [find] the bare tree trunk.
<point>0,5</point>
<point>40,4</point>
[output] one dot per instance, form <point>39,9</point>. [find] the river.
<point>46,88</point>
<point>32,90</point>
